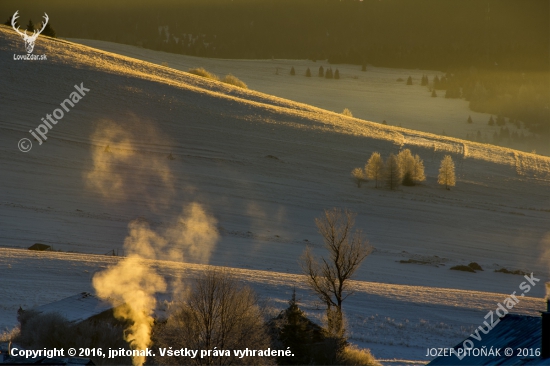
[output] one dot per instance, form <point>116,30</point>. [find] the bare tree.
<point>447,172</point>
<point>218,312</point>
<point>375,168</point>
<point>329,277</point>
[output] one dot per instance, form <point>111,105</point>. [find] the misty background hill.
<point>495,53</point>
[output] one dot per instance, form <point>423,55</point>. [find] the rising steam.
<point>191,238</point>
<point>133,283</point>
<point>122,170</point>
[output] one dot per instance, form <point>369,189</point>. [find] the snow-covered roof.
<point>77,308</point>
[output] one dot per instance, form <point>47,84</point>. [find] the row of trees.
<point>48,30</point>
<point>403,168</point>
<point>329,74</point>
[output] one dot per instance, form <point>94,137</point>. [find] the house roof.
<point>513,331</point>
<point>76,308</point>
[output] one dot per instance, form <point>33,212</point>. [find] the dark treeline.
<point>496,52</point>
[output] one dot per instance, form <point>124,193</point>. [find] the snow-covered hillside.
<point>375,95</point>
<point>264,168</point>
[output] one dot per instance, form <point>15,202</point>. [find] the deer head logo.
<point>29,40</point>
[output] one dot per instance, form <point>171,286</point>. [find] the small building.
<point>75,309</point>
<point>521,333</point>
<point>78,308</point>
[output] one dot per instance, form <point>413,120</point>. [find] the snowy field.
<point>263,168</point>
<point>374,95</point>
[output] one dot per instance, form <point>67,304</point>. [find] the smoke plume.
<point>130,286</point>
<point>125,169</point>
<point>190,238</point>
<point>125,164</point>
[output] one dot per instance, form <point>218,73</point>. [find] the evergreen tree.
<point>364,67</point>
<point>443,83</point>
<point>392,172</point>
<point>424,80</point>
<point>433,93</point>
<point>375,168</point>
<point>321,71</point>
<point>308,73</point>
<point>436,83</point>
<point>328,73</point>
<point>292,72</point>
<point>470,119</point>
<point>410,81</point>
<point>501,121</point>
<point>447,172</point>
<point>8,22</point>
<point>491,121</point>
<point>337,74</point>
<point>296,334</point>
<point>30,26</point>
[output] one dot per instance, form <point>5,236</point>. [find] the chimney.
<point>545,334</point>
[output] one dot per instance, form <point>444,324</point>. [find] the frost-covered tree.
<point>412,168</point>
<point>375,168</point>
<point>219,312</point>
<point>447,172</point>
<point>405,160</point>
<point>358,176</point>
<point>347,112</point>
<point>418,172</point>
<point>392,172</point>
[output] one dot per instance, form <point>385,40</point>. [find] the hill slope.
<point>264,168</point>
